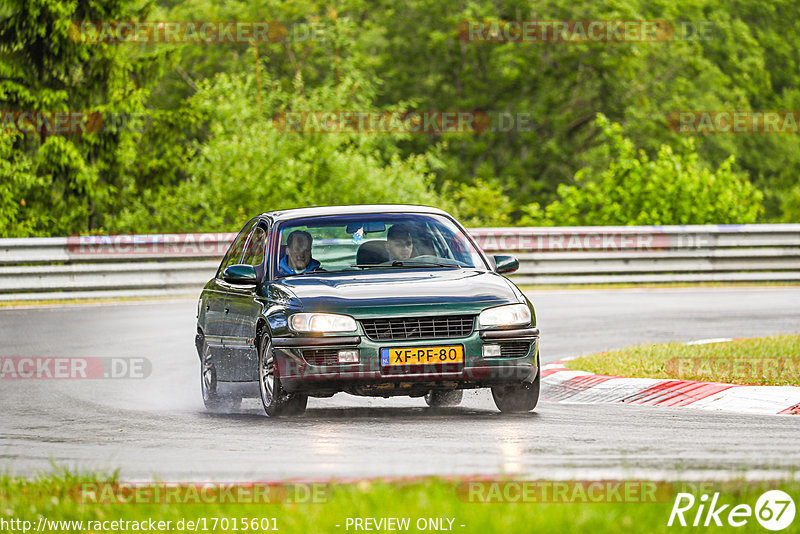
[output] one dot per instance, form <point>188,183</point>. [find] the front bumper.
<point>307,365</point>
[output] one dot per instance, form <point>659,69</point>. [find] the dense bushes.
<point>630,188</point>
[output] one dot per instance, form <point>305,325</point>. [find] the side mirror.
<point>506,264</point>
<point>240,275</point>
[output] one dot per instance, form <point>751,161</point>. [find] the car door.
<point>243,308</point>
<point>217,310</point>
<point>212,301</point>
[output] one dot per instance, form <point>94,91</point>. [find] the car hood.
<point>408,291</point>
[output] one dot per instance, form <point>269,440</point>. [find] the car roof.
<point>297,213</point>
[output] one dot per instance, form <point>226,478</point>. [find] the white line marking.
<point>709,341</point>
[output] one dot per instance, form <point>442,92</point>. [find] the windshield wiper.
<point>399,263</point>
<point>417,263</point>
<point>365,265</point>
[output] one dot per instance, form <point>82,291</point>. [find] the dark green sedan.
<point>380,300</point>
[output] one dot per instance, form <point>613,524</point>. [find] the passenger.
<point>399,244</point>
<point>298,254</point>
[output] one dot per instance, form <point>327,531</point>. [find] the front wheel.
<point>517,398</point>
<point>275,400</point>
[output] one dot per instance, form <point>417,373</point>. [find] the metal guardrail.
<point>77,267</point>
<point>650,254</point>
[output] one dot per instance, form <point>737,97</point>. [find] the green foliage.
<point>478,204</point>
<point>790,205</point>
<point>71,185</point>
<point>209,156</point>
<point>747,61</point>
<point>247,165</point>
<point>16,182</point>
<point>82,178</point>
<point>673,188</point>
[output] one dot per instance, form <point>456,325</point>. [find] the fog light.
<point>491,351</point>
<point>348,356</point>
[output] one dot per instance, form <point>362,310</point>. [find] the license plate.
<point>422,355</point>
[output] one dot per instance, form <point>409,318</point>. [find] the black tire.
<point>437,398</point>
<point>517,398</point>
<point>213,398</point>
<point>274,399</point>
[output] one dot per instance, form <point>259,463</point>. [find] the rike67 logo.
<point>774,510</point>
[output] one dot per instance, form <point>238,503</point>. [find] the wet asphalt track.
<point>158,426</point>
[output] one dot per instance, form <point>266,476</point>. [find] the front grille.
<point>514,349</point>
<point>442,327</point>
<point>321,356</point>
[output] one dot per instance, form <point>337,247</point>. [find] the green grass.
<point>54,497</point>
<point>773,361</point>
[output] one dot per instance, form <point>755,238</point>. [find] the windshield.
<point>373,241</point>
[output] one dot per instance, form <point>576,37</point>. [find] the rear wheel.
<point>213,398</point>
<point>274,398</point>
<point>437,398</point>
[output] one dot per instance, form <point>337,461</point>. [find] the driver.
<point>399,244</point>
<point>298,254</point>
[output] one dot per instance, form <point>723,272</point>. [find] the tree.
<point>82,176</point>
<point>16,181</point>
<point>385,55</point>
<point>248,165</point>
<point>791,205</point>
<point>739,55</point>
<point>630,189</point>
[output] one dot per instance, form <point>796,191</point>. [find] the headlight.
<point>510,315</point>
<point>322,322</point>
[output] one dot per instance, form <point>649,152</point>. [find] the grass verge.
<point>631,507</point>
<point>763,361</point>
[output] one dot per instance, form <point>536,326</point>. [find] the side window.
<point>237,248</point>
<point>254,254</point>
